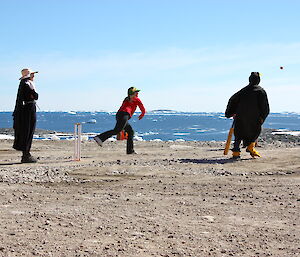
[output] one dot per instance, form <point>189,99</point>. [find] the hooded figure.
<point>25,115</point>
<point>250,108</point>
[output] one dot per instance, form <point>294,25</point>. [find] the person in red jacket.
<point>123,116</point>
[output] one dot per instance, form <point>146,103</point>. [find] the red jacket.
<point>130,106</point>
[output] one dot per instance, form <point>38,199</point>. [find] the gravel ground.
<point>172,199</point>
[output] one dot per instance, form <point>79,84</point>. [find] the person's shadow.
<point>210,161</point>
<point>9,163</point>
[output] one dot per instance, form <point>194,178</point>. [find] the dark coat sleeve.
<point>263,105</point>
<point>232,105</point>
<point>19,100</point>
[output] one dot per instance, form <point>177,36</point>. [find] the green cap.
<point>132,90</point>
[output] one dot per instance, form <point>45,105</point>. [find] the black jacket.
<point>24,116</point>
<point>251,107</point>
<point>25,94</point>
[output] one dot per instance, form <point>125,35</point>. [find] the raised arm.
<point>142,108</point>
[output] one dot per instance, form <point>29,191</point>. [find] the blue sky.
<point>183,55</point>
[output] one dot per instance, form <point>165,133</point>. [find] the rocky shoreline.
<point>10,131</point>
<point>267,135</point>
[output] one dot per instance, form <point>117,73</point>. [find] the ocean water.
<point>164,125</point>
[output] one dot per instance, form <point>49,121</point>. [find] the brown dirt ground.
<point>172,199</point>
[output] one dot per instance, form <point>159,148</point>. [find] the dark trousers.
<point>24,125</point>
<point>236,145</point>
<point>122,124</point>
<point>237,142</point>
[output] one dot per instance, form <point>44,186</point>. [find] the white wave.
<point>181,134</point>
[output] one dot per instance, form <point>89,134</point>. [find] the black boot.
<point>133,152</point>
<point>28,158</point>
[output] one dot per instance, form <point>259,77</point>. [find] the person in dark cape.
<point>249,107</point>
<point>24,115</point>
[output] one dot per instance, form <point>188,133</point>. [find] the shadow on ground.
<point>211,161</point>
<point>10,163</point>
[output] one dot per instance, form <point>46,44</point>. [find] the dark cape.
<point>24,116</point>
<point>251,107</point>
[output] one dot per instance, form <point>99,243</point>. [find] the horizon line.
<point>155,110</point>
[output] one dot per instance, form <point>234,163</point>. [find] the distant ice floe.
<point>206,130</point>
<point>156,140</point>
<point>137,138</point>
<point>6,137</point>
<point>172,112</point>
<point>62,136</point>
<point>182,134</point>
<point>54,138</point>
<point>148,133</point>
<point>92,121</point>
<point>69,136</point>
<point>202,130</point>
<point>284,114</point>
<point>286,132</point>
<point>195,127</point>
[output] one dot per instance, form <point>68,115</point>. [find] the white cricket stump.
<point>77,141</point>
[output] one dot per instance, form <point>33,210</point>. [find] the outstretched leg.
<point>122,119</point>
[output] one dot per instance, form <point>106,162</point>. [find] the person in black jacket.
<point>249,107</point>
<point>25,115</point>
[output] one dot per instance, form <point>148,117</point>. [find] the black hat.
<point>254,78</point>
